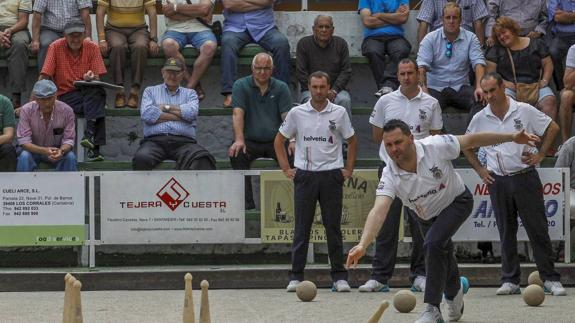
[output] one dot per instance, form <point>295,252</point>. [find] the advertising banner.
<point>42,209</point>
<point>481,224</point>
<point>172,207</point>
<point>277,207</point>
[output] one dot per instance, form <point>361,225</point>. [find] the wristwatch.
<point>166,108</point>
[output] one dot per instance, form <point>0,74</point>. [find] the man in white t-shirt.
<point>567,96</point>
<point>319,128</point>
<point>421,174</point>
<point>513,182</point>
<point>422,114</point>
<point>186,24</point>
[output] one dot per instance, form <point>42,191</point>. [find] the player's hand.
<point>236,147</point>
<point>485,176</point>
<point>34,46</point>
<point>291,148</point>
<point>89,76</point>
<point>290,173</point>
<point>532,159</point>
<point>104,48</point>
<point>354,255</point>
<point>153,48</point>
<point>524,138</point>
<point>346,173</point>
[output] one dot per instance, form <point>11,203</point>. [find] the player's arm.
<point>281,154</point>
<point>373,224</point>
<point>481,171</point>
<point>481,139</point>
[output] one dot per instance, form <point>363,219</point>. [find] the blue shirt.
<point>443,71</point>
<point>257,22</point>
<point>563,5</point>
<point>384,6</point>
<point>156,96</point>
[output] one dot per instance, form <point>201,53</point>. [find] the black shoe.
<point>94,156</point>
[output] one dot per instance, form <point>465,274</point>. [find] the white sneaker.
<point>373,285</point>
<point>383,91</point>
<point>430,314</point>
<point>554,288</point>
<point>508,289</point>
<point>418,284</point>
<point>291,287</point>
<point>341,286</point>
<point>455,307</point>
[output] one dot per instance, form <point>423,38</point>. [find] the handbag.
<point>525,92</point>
<point>215,27</point>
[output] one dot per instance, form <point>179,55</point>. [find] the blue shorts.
<point>196,39</point>
<point>543,92</point>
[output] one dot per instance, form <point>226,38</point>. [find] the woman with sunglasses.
<point>530,59</point>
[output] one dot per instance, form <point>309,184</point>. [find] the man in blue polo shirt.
<point>383,35</point>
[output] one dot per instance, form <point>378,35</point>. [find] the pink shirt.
<point>58,131</point>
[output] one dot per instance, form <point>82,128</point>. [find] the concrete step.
<point>232,277</point>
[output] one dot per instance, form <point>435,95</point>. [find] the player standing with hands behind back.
<point>421,174</point>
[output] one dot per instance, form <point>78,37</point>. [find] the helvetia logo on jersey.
<point>312,138</point>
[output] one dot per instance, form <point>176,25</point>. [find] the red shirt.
<point>64,68</point>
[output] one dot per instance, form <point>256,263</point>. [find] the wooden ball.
<point>306,291</point>
<point>534,279</point>
<point>404,301</point>
<point>533,295</point>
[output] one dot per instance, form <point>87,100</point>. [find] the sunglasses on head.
<point>449,49</point>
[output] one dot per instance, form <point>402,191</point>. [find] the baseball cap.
<point>74,27</point>
<point>44,89</point>
<point>173,64</point>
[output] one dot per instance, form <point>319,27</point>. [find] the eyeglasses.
<point>449,49</point>
<point>262,68</point>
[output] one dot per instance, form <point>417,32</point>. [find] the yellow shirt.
<point>126,13</point>
<point>9,10</point>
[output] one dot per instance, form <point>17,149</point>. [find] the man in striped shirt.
<point>169,116</point>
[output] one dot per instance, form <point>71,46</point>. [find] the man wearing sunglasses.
<point>444,58</point>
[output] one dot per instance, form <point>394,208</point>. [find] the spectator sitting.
<point>561,18</point>
<point>76,58</point>
<point>531,15</point>
<point>169,115</point>
<point>14,41</point>
<point>49,20</point>
<point>323,51</point>
<point>531,61</point>
<point>7,124</point>
<point>251,22</point>
<point>474,12</point>
<point>46,131</point>
<point>383,34</point>
<point>260,105</point>
<point>126,30</point>
<point>185,25</point>
<point>444,58</point>
<point>567,96</point>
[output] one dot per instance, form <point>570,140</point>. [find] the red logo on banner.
<point>173,194</point>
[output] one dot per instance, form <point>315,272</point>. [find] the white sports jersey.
<point>504,159</point>
<point>434,186</point>
<point>422,114</point>
<point>319,135</point>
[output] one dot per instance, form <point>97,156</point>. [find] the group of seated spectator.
<point>524,41</point>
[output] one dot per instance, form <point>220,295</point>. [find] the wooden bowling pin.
<point>189,315</point>
<point>66,298</point>
<point>205,306</point>
<point>77,316</point>
<point>377,315</point>
<point>69,301</point>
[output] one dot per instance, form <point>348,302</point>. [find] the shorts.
<point>196,39</point>
<point>543,92</point>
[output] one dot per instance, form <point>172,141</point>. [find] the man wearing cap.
<point>49,19</point>
<point>7,124</point>
<point>75,58</point>
<point>46,131</point>
<point>169,114</point>
<point>319,128</point>
<point>14,40</point>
